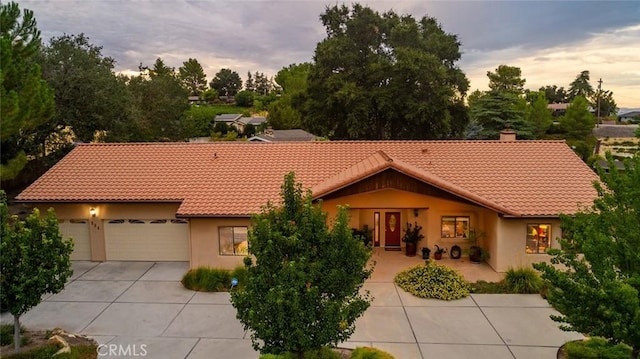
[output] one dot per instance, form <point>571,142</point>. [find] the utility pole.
<point>599,93</point>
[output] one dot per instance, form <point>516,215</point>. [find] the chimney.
<point>507,135</point>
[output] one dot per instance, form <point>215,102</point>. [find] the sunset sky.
<point>550,41</point>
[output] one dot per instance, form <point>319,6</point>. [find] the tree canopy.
<point>26,99</point>
<point>506,79</point>
<point>302,292</point>
<point>226,82</point>
<point>384,76</point>
<point>580,86</point>
<point>597,291</point>
<point>192,76</point>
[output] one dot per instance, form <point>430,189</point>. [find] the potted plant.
<point>411,237</point>
<point>438,253</point>
<point>476,253</point>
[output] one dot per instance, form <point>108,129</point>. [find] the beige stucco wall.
<point>430,212</point>
<point>205,245</point>
<point>511,239</point>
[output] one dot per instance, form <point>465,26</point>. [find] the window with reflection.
<point>538,238</point>
<point>233,241</point>
<point>455,227</point>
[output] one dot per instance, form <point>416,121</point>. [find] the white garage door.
<point>147,240</point>
<point>78,230</point>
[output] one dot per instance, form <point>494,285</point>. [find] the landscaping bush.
<point>322,353</point>
<point>6,334</point>
<point>205,279</point>
<point>523,281</point>
<point>370,353</point>
<point>433,281</point>
<point>47,351</point>
<point>596,348</point>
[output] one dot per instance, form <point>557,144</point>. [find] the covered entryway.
<point>78,231</point>
<point>147,240</point>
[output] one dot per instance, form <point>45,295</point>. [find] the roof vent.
<point>507,135</point>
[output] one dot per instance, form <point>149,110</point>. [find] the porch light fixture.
<point>92,212</point>
<point>415,212</point>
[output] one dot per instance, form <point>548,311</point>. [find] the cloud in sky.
<point>550,41</point>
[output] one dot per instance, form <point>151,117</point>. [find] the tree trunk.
<point>635,352</point>
<point>16,333</point>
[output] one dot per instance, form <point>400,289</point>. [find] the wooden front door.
<point>392,230</point>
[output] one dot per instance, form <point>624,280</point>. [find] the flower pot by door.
<point>411,249</point>
<point>475,254</point>
<point>437,255</point>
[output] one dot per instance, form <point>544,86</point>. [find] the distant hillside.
<point>623,110</point>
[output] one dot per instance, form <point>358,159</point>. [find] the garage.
<point>147,240</point>
<point>78,230</point>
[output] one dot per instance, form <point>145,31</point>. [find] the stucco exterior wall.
<point>511,240</point>
<point>430,212</point>
<point>205,244</point>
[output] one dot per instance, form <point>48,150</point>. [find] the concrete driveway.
<point>140,309</point>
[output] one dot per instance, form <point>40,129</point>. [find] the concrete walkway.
<point>142,307</point>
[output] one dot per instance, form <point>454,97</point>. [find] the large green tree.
<point>226,82</point>
<point>158,104</point>
<point>554,94</point>
<point>495,111</point>
<point>607,104</point>
<point>192,76</point>
<point>26,101</point>
<point>89,96</point>
<point>35,261</point>
<point>303,291</point>
<point>293,80</point>
<point>597,288</point>
<point>578,122</point>
<point>506,79</point>
<point>539,116</point>
<point>384,76</point>
<point>580,86</point>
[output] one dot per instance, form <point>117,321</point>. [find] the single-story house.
<point>242,122</point>
<point>228,118</point>
<point>193,201</point>
<point>271,135</point>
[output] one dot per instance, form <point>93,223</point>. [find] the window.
<point>538,238</point>
<point>233,241</point>
<point>136,221</point>
<point>158,221</point>
<point>376,229</point>
<point>455,227</point>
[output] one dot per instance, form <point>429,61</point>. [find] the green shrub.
<point>523,281</point>
<point>433,281</point>
<point>369,353</point>
<point>322,353</point>
<point>596,348</point>
<point>6,335</point>
<point>205,279</point>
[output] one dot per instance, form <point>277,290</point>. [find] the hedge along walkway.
<point>130,304</point>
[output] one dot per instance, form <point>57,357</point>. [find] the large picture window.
<point>538,238</point>
<point>455,227</point>
<point>233,241</point>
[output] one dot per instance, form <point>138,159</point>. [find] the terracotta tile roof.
<point>520,178</point>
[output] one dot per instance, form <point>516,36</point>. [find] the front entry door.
<point>392,230</point>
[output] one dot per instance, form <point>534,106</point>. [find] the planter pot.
<point>425,253</point>
<point>475,254</point>
<point>411,249</point>
<point>437,255</point>
<point>455,252</point>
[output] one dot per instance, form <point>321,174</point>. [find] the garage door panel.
<point>78,230</point>
<point>147,240</point>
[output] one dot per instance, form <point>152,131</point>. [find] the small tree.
<point>34,261</point>
<point>599,291</point>
<point>303,290</point>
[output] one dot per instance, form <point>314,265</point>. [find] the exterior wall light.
<point>92,212</point>
<point>415,212</point>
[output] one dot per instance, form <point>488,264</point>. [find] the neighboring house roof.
<point>256,121</point>
<point>228,117</point>
<point>283,135</point>
<point>515,178</point>
<point>558,106</point>
<point>615,131</point>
